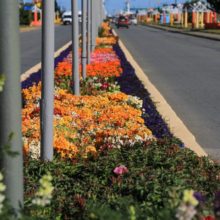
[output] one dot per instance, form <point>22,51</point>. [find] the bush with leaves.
<point>157,175</point>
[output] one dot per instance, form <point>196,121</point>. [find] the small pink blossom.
<point>120,170</point>
<point>104,86</point>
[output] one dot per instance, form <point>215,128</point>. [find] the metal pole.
<point>84,54</point>
<point>88,30</point>
<point>75,48</point>
<point>10,99</point>
<point>47,81</point>
<point>103,9</point>
<point>98,17</point>
<point>99,14</point>
<point>94,22</point>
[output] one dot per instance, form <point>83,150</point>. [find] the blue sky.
<point>116,5</point>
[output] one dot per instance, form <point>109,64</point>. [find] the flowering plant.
<point>44,194</point>
<point>2,80</point>
<point>96,85</point>
<point>120,170</point>
<point>2,189</point>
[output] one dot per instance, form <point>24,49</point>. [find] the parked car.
<point>67,17</point>
<point>134,21</point>
<point>122,22</point>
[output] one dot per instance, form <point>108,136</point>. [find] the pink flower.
<point>104,86</point>
<point>120,170</point>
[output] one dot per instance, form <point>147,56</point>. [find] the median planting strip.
<point>115,155</point>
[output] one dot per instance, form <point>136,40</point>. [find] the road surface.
<point>186,70</point>
<point>31,45</point>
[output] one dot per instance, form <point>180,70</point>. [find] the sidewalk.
<point>28,28</point>
<point>187,32</point>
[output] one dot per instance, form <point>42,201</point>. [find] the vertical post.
<point>88,30</point>
<point>197,20</point>
<point>171,19</point>
<point>215,17</point>
<point>202,19</point>
<point>84,54</point>
<point>210,17</point>
<point>103,10</point>
<point>97,16</point>
<point>75,48</point>
<point>207,17</point>
<point>193,19</point>
<point>182,19</point>
<point>100,11</point>
<point>164,18</point>
<point>94,22</point>
<point>10,99</point>
<point>35,15</point>
<point>186,18</point>
<point>47,81</point>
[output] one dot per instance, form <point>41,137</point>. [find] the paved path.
<point>195,33</point>
<point>186,70</point>
<point>31,41</point>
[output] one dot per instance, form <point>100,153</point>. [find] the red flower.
<point>209,217</point>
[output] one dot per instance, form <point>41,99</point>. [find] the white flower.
<point>2,189</point>
<point>138,138</point>
<point>34,149</point>
<point>185,212</point>
<point>2,198</point>
<point>44,194</point>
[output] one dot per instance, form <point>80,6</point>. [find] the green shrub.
<point>101,32</point>
<point>25,17</point>
<point>158,174</point>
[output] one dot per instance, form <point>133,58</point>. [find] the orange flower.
<point>90,150</point>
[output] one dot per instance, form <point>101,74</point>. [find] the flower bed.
<point>115,156</point>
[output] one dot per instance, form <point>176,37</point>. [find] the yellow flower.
<point>188,197</point>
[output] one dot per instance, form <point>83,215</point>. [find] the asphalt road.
<point>31,45</point>
<point>186,70</point>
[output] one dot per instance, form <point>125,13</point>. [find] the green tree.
<point>57,7</point>
<point>25,16</point>
<point>215,4</point>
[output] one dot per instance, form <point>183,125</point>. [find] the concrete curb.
<point>183,32</point>
<point>177,127</point>
<point>37,67</point>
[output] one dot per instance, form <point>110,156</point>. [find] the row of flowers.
<point>103,116</point>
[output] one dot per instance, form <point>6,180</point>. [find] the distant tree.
<point>25,15</point>
<point>215,4</point>
<point>57,7</point>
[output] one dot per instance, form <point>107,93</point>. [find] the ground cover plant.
<point>114,155</point>
<point>149,177</point>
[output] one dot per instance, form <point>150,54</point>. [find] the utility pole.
<point>75,48</point>
<point>88,30</point>
<point>10,107</point>
<point>84,40</point>
<point>47,100</point>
